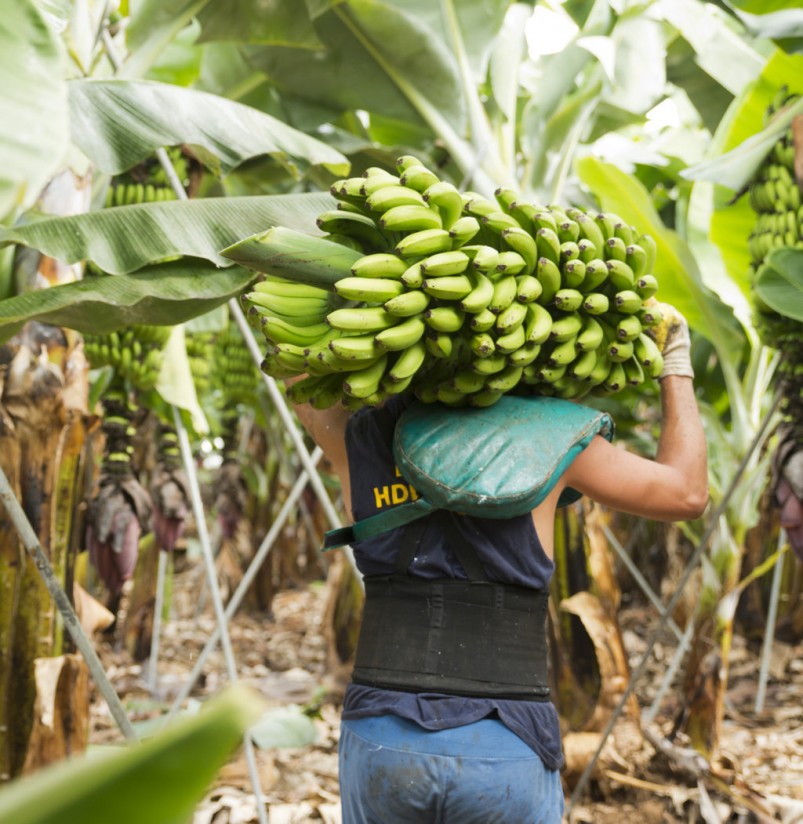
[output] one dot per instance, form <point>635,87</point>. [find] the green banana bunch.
<point>462,298</point>
<point>134,352</point>
<point>776,198</point>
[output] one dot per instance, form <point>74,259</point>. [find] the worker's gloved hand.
<point>674,341</point>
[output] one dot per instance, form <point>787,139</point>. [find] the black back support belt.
<point>460,637</point>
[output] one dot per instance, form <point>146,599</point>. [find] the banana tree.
<point>454,82</point>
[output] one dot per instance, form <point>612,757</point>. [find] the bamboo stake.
<point>693,561</point>
<point>65,608</point>
<point>769,634</point>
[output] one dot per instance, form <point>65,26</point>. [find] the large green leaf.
<point>779,282</point>
<point>374,57</point>
<point>681,283</point>
<point>125,238</point>
<point>295,256</point>
<point>154,25</point>
<point>33,107</point>
<point>282,22</point>
<point>118,123</point>
<point>160,780</point>
<point>162,295</point>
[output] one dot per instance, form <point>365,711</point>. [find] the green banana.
<point>634,372</point>
<point>627,301</point>
<point>510,262</point>
<point>361,319</point>
<point>647,286</point>
<point>353,225</point>
<point>550,278</point>
<point>583,365</point>
<point>356,347</point>
<point>449,287</point>
<point>483,258</point>
<point>407,304</point>
<point>504,380</point>
<point>563,353</point>
<point>647,242</point>
<point>281,287</point>
<point>596,275</point>
<point>424,242</point>
<point>439,344</point>
<point>482,291</point>
<point>463,230</point>
<point>444,318</point>
<point>636,259</point>
<point>591,336</point>
<point>413,277</point>
<point>408,362</point>
<point>620,274</point>
<point>574,272</point>
<point>628,328</point>
<point>522,242</point>
<point>478,206</point>
<point>377,290</point>
<point>504,293</point>
<point>616,379</point>
<point>417,176</point>
<point>511,316</point>
<point>481,321</point>
<point>511,340</point>
<point>498,221</point>
<point>615,249</point>
<point>379,265</point>
<point>446,198</point>
<point>646,350</point>
<point>528,288</point>
<point>365,382</point>
<point>620,351</point>
<point>489,365</point>
<point>280,331</point>
<point>588,251</point>
<point>566,327</point>
<point>537,324</point>
<point>568,300</point>
<point>569,250</point>
<point>440,264</point>
<point>568,231</point>
<point>483,398</point>
<point>376,180</point>
<point>481,344</point>
<point>525,354</point>
<point>589,230</point>
<point>411,218</point>
<point>389,196</point>
<point>467,381</point>
<point>402,335</point>
<point>548,244</point>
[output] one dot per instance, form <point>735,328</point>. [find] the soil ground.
<point>758,775</point>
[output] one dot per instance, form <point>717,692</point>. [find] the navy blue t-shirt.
<point>509,551</point>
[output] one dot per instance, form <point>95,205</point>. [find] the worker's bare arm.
<point>672,487</point>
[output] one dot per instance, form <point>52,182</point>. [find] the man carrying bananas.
<point>446,718</point>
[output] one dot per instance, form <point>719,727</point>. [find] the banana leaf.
<point>34,138</point>
<point>161,295</point>
<point>125,238</point>
<point>733,218</point>
<point>374,57</point>
<point>779,282</point>
<point>118,123</point>
<point>294,255</point>
<point>159,780</point>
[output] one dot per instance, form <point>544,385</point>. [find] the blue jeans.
<point>392,771</point>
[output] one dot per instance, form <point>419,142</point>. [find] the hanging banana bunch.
<point>777,200</point>
<point>462,298</point>
<point>200,353</point>
<point>169,489</point>
<point>120,510</point>
<point>775,195</point>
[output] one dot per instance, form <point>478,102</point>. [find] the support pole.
<point>772,617</point>
<point>65,608</point>
<point>242,588</point>
<point>217,601</point>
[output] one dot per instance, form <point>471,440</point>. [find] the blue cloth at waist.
<point>534,722</point>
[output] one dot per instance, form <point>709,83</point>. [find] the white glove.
<point>674,341</point>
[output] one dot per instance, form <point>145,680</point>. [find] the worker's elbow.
<point>692,504</point>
